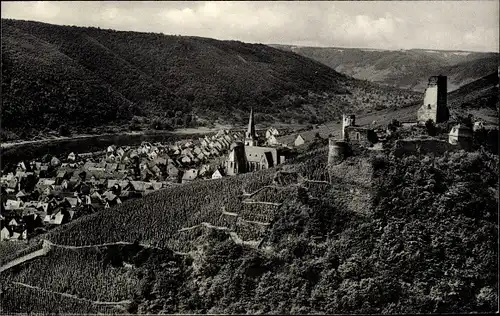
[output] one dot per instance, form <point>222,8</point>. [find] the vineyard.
<point>13,250</point>
<point>157,218</point>
<point>61,269</point>
<point>17,298</point>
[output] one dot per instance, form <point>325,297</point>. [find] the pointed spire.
<point>251,125</point>
<point>250,137</point>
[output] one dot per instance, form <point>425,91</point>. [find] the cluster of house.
<point>42,194</point>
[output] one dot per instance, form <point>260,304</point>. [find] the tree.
<point>156,124</point>
<point>134,124</point>
<point>64,130</point>
<point>467,121</point>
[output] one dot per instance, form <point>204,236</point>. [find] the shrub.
<point>431,128</point>
<point>64,130</point>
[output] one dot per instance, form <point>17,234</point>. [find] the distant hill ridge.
<point>407,69</point>
<point>92,77</point>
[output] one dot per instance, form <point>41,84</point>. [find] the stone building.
<point>435,101</point>
<point>461,135</point>
<point>340,149</point>
<point>357,134</point>
<point>249,156</point>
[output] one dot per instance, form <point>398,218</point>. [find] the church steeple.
<point>250,137</point>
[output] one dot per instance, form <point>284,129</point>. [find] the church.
<point>249,156</point>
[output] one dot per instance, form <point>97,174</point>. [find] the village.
<point>46,193</point>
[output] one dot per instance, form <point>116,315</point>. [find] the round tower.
<point>338,150</point>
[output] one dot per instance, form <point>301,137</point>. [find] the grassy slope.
<point>73,74</point>
<point>404,69</point>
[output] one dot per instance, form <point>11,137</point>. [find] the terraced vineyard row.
<point>14,299</point>
<point>13,250</point>
<point>156,218</point>
<point>61,270</point>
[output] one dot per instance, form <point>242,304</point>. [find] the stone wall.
<point>352,181</point>
<point>422,147</point>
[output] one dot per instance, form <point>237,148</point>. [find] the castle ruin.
<point>435,106</point>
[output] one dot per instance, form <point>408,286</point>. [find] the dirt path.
<point>100,245</point>
<point>47,245</point>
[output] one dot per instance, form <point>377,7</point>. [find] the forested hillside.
<point>427,244</point>
<point>478,98</point>
<point>407,69</point>
<point>87,77</point>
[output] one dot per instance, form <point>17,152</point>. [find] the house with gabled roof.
<point>73,201</point>
<point>30,204</point>
<point>13,222</point>
<point>206,152</point>
<point>13,205</point>
<point>54,162</point>
<point>21,166</point>
<point>22,195</point>
<point>156,170</point>
<point>190,175</point>
<point>43,206</point>
<point>186,160</point>
<point>153,155</point>
<point>111,167</point>
<point>161,160</point>
<point>224,142</point>
<point>217,174</point>
<point>72,156</point>
<point>217,144</point>
<point>215,152</point>
<point>138,186</point>
<point>197,150</point>
<point>155,185</point>
<point>271,132</point>
<point>13,184</point>
<point>201,157</point>
<point>4,234</point>
<point>59,217</point>
<point>120,152</point>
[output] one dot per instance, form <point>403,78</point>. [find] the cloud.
<point>465,25</point>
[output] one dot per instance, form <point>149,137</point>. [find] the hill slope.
<point>91,77</point>
<point>427,243</point>
<point>407,69</point>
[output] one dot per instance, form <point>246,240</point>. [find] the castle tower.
<point>347,120</point>
<point>435,106</point>
<point>250,137</point>
<point>338,150</point>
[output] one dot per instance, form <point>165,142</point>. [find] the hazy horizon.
<point>400,25</point>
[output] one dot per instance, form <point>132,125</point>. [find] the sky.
<point>445,25</point>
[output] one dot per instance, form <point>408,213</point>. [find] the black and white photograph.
<point>249,157</point>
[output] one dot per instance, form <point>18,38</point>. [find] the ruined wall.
<point>422,147</point>
<point>352,181</point>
